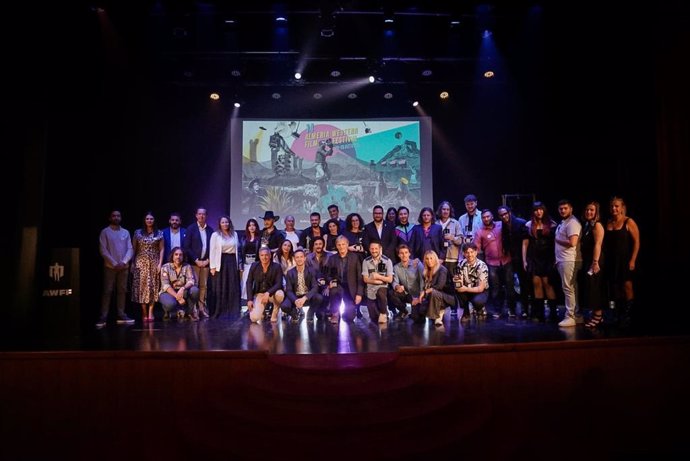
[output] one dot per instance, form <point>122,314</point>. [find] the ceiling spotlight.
<point>281,19</point>
<point>318,96</point>
<point>367,130</point>
<point>352,96</point>
<point>388,95</point>
<point>235,73</point>
<point>327,33</point>
<point>372,79</point>
<point>214,96</point>
<point>487,33</point>
<point>335,73</point>
<point>444,95</point>
<point>427,72</point>
<point>298,76</point>
<point>489,74</point>
<point>415,103</point>
<point>275,95</point>
<point>237,104</point>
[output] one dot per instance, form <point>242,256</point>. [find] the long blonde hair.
<point>430,271</point>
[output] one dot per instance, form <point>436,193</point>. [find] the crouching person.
<point>264,285</point>
<point>301,289</point>
<point>434,298</point>
<point>179,293</point>
<point>471,281</point>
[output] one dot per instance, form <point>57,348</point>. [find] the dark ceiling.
<point>216,44</point>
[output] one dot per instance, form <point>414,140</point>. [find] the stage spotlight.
<point>487,33</point>
<point>352,96</point>
<point>298,76</point>
<point>415,103</point>
<point>367,130</point>
<point>388,95</point>
<point>318,96</point>
<point>489,74</point>
<point>235,73</point>
<point>214,96</point>
<point>444,95</point>
<point>335,73</point>
<point>237,104</point>
<point>388,17</point>
<point>275,96</point>
<point>427,72</point>
<point>372,79</point>
<point>281,19</point>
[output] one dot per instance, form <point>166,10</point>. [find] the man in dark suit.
<point>345,283</point>
<point>381,230</point>
<point>196,248</point>
<point>173,235</point>
<point>301,288</point>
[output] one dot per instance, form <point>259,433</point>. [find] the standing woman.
<point>592,286</point>
<point>332,228</point>
<point>225,279</point>
<point>392,216</point>
<point>148,246</point>
<point>354,231</point>
<point>250,251</point>
<point>621,244</point>
<point>538,256</point>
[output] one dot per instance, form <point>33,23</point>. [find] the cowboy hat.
<point>269,215</point>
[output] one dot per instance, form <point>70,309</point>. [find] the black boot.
<point>625,313</point>
<point>537,312</point>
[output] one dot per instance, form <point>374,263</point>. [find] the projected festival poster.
<point>300,166</point>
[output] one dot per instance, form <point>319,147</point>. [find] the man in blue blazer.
<point>173,235</point>
<point>196,248</point>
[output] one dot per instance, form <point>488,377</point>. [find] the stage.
<point>317,337</point>
<point>215,389</point>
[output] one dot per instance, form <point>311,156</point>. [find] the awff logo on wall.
<point>56,272</point>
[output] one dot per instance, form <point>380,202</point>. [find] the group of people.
<point>390,265</point>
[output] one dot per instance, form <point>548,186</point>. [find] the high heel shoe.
<point>595,321</point>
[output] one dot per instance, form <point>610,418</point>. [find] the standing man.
<point>489,243</point>
<point>334,213</point>
<point>307,236</point>
<point>568,261</point>
<point>470,221</point>
<point>271,237</point>
<point>173,235</point>
<point>512,232</point>
<point>196,246</point>
<point>115,246</point>
<point>290,233</point>
<point>381,230</point>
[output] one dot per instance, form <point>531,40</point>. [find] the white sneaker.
<point>567,322</point>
